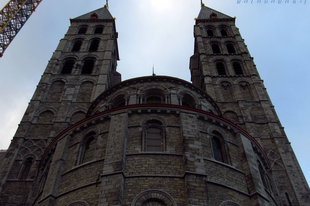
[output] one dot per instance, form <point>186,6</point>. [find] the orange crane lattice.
<point>12,18</point>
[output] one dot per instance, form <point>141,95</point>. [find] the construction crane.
<point>12,18</point>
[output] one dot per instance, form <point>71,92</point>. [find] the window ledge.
<point>224,164</point>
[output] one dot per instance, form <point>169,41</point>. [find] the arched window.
<point>46,117</point>
<point>98,30</point>
<point>220,69</point>
<point>216,49</point>
<point>230,48</point>
<point>217,147</point>
<point>153,198</point>
<point>213,15</point>
<point>26,168</point>
<point>154,96</point>
<point>77,45</point>
<point>188,101</point>
<point>88,66</point>
<point>94,16</point>
<point>237,68</point>
<point>224,32</point>
<point>210,33</point>
<point>119,101</point>
<point>88,148</point>
<point>153,137</point>
<point>82,30</point>
<point>94,45</point>
<point>67,66</point>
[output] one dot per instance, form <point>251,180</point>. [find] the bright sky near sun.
<point>160,32</point>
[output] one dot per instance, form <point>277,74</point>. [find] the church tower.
<point>89,139</point>
<point>223,67</point>
<point>81,68</point>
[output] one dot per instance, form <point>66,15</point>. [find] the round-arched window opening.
<point>230,48</point>
<point>216,49</point>
<point>154,197</point>
<point>224,32</point>
<point>119,101</point>
<point>154,96</point>
<point>213,16</point>
<point>188,101</point>
<point>82,30</point>
<point>88,66</point>
<point>98,30</point>
<point>210,33</point>
<point>68,66</point>
<point>154,136</point>
<point>94,16</point>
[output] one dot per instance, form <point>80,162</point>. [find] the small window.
<point>94,16</point>
<point>154,96</point>
<point>119,101</point>
<point>188,101</point>
<point>217,149</point>
<point>224,33</point>
<point>77,46</point>
<point>94,45</point>
<point>153,140</point>
<point>89,148</point>
<point>26,168</point>
<point>213,16</point>
<point>82,30</point>
<point>210,33</point>
<point>237,68</point>
<point>216,49</point>
<point>68,66</point>
<point>154,136</point>
<point>220,68</point>
<point>230,48</point>
<point>98,30</point>
<point>88,66</point>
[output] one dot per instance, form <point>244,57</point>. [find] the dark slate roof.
<point>205,13</point>
<point>103,13</point>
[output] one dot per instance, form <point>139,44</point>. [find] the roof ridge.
<point>102,13</point>
<point>206,12</point>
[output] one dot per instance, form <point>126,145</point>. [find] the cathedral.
<point>89,139</point>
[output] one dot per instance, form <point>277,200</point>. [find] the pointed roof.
<point>102,13</point>
<point>205,13</point>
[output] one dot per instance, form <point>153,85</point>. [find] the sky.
<point>160,33</point>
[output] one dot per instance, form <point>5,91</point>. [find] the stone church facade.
<point>87,138</point>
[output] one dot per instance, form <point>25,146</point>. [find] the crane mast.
<point>12,18</point>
